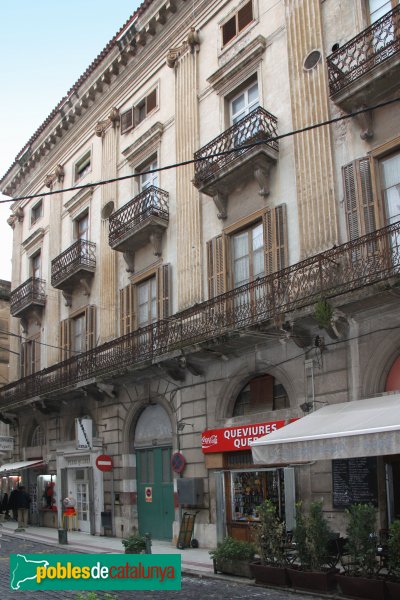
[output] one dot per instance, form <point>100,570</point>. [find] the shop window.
<point>83,166</point>
<point>261,394</point>
<point>38,438</point>
<point>235,24</point>
<point>37,212</point>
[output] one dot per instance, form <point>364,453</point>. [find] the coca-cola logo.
<point>212,440</point>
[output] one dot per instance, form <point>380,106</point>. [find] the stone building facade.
<point>170,316</point>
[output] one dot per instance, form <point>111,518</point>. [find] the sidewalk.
<point>194,560</point>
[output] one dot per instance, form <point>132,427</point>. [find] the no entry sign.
<point>104,462</point>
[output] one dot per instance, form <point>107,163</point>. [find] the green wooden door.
<point>155,492</point>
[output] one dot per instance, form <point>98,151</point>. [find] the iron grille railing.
<point>151,202</point>
<point>257,125</point>
<point>371,47</point>
<point>31,292</point>
<point>362,262</point>
<point>82,254</point>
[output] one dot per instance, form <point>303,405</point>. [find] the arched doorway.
<point>155,494</point>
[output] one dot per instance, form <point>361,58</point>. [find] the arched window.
<point>38,438</point>
<point>261,394</point>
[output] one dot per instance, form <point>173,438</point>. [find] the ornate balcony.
<point>368,66</point>
<point>74,266</point>
<point>221,166</point>
<point>141,220</point>
<point>342,271</point>
<point>29,297</point>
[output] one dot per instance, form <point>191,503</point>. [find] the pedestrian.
<point>4,506</point>
<point>12,504</point>
<point>22,501</point>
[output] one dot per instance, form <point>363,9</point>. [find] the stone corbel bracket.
<point>365,122</point>
<point>191,43</point>
<point>57,175</point>
<point>155,240</point>
<point>262,176</point>
<point>221,202</point>
<point>67,297</point>
<point>129,258</point>
<point>111,121</point>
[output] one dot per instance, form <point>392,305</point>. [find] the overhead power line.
<point>209,156</point>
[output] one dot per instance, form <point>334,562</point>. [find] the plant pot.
<point>362,587</point>
<point>234,567</point>
<point>393,590</point>
<point>133,551</point>
<point>269,574</point>
<point>317,581</point>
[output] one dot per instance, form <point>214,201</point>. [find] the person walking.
<point>22,502</point>
<point>12,504</point>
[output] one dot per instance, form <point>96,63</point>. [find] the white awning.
<point>351,429</point>
<point>18,466</point>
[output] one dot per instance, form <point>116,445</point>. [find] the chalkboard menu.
<point>354,480</point>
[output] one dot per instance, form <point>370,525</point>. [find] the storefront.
<point>240,484</point>
<point>29,473</point>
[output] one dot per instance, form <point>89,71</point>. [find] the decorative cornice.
<point>75,203</point>
<point>112,120</point>
<point>145,144</point>
<point>33,239</point>
<point>244,59</point>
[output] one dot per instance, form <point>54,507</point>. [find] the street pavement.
<point>193,587</point>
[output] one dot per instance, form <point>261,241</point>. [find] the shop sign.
<point>6,443</point>
<point>236,438</point>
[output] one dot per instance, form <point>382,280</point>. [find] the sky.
<point>45,45</point>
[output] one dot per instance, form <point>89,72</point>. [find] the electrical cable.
<point>209,156</point>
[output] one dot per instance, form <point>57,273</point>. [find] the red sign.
<point>104,462</point>
<point>236,438</point>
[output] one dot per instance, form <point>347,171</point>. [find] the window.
<point>82,167</point>
<point>390,178</point>
<point>146,300</point>
<point>148,179</point>
<point>78,333</point>
<point>38,438</point>
<point>36,265</point>
<point>82,227</point>
<point>257,249</point>
<point>261,394</point>
<point>136,114</point>
<point>30,356</point>
<point>36,212</point>
<point>379,8</point>
<point>240,20</point>
<point>245,102</point>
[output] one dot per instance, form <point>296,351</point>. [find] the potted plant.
<point>360,578</point>
<point>393,563</point>
<point>134,544</point>
<point>323,313</point>
<point>313,538</point>
<point>270,536</point>
<point>232,557</point>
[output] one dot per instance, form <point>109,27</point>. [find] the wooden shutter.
<point>245,15</point>
<point>22,353</point>
<point>358,198</point>
<point>151,101</point>
<point>275,239</point>
<point>127,309</point>
<point>90,327</point>
<point>228,30</point>
<point>65,339</point>
<point>127,120</point>
<point>163,284</point>
<point>35,355</point>
<point>216,270</point>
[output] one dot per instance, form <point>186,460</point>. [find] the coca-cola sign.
<point>236,438</point>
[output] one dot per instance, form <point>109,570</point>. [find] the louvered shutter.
<point>65,339</point>
<point>358,198</point>
<point>127,309</point>
<point>163,284</point>
<point>35,355</point>
<point>90,327</point>
<point>127,120</point>
<point>22,353</point>
<point>216,270</point>
<point>245,15</point>
<point>275,239</point>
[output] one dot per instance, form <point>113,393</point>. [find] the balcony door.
<point>243,103</point>
<point>379,8</point>
<point>247,249</point>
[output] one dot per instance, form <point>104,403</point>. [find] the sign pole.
<point>112,505</point>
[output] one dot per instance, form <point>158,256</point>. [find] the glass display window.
<point>250,488</point>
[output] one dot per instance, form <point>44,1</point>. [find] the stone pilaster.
<point>54,298</point>
<point>313,149</point>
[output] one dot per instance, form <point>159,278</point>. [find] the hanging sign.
<point>148,494</point>
<point>237,438</point>
<point>6,443</point>
<point>84,433</point>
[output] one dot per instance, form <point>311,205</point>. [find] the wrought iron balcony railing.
<point>362,262</point>
<point>256,126</point>
<point>30,293</point>
<point>81,255</point>
<point>152,202</point>
<point>370,48</point>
